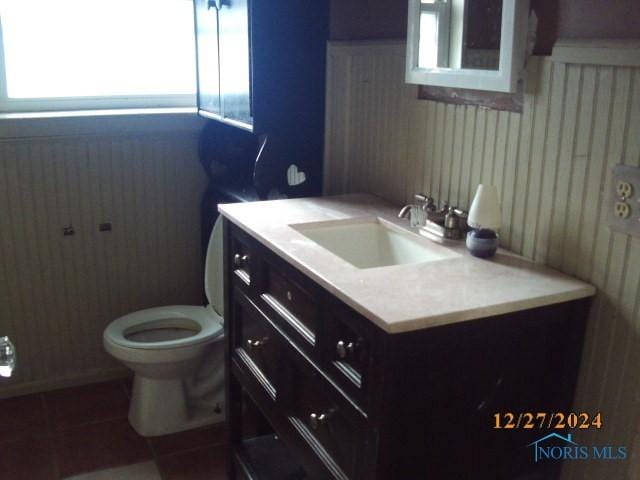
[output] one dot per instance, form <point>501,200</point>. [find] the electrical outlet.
<point>624,189</point>
<point>621,210</point>
<point>624,200</point>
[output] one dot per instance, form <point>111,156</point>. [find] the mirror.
<point>460,34</point>
<point>478,44</point>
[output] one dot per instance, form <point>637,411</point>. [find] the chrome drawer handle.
<point>317,420</point>
<point>345,349</point>
<point>240,261</point>
<point>255,344</point>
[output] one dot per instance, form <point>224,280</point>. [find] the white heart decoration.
<point>295,176</point>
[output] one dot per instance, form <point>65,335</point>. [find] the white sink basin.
<point>372,242</point>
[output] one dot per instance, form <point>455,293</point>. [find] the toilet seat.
<point>203,319</point>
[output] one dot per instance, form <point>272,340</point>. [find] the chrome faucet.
<point>425,202</point>
<point>405,212</point>
<point>414,213</point>
<point>446,222</point>
<point>418,212</point>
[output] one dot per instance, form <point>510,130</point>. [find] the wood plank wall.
<point>58,293</point>
<point>551,165</point>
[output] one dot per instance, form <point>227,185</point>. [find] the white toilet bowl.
<point>176,353</point>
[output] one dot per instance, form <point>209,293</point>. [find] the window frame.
<point>513,48</point>
<point>10,106</point>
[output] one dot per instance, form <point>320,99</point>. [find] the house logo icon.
<point>541,450</point>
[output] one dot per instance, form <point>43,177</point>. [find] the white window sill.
<point>99,122</point>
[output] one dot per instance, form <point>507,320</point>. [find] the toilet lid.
<point>213,281</point>
<point>203,324</point>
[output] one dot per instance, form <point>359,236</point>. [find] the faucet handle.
<point>460,212</point>
<point>427,201</point>
<point>444,209</point>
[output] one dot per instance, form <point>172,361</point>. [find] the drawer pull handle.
<point>255,344</point>
<point>289,296</point>
<point>345,349</point>
<point>240,261</point>
<point>317,420</point>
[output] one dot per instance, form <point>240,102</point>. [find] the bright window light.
<point>428,50</point>
<point>434,29</point>
<point>90,49</point>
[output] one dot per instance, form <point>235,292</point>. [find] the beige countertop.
<point>402,298</point>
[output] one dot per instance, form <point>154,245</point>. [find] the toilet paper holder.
<point>7,357</point>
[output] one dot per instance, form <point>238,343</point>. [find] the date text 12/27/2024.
<point>546,420</point>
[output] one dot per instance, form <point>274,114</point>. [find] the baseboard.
<point>85,378</point>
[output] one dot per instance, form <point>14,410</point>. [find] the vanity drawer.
<point>328,423</point>
<point>290,303</point>
<point>255,343</point>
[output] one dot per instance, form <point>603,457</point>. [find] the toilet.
<point>176,353</point>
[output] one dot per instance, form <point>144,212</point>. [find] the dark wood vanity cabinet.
<point>315,390</point>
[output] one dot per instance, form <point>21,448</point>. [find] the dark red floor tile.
<point>182,441</point>
<point>22,417</point>
<point>89,403</point>
<point>27,459</point>
<point>202,464</point>
<point>98,446</point>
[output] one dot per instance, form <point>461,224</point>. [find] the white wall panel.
<point>58,293</point>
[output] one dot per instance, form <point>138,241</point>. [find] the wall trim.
<point>618,53</point>
<point>63,382</point>
<point>366,47</point>
<point>99,123</point>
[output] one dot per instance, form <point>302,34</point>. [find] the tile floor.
<point>83,433</point>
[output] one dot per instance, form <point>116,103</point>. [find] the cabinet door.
<point>206,25</point>
<point>235,63</point>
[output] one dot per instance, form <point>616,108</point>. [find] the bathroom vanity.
<point>356,349</point>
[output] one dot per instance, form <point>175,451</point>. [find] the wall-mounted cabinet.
<point>206,25</point>
<point>258,59</point>
<point>224,61</point>
<point>261,67</point>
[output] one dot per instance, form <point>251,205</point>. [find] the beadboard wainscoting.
<point>58,293</point>
<point>552,166</point>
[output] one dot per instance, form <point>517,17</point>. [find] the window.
<point>96,54</point>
